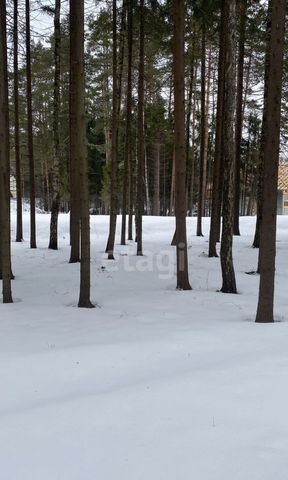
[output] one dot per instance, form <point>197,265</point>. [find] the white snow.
<point>153,384</point>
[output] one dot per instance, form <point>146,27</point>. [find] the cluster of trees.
<point>145,107</point>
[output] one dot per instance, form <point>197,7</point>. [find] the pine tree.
<point>228,149</point>
<point>140,133</point>
<point>53,243</point>
<point>179,147</point>
<point>265,309</point>
<point>19,224</point>
<point>30,129</point>
<point>5,253</point>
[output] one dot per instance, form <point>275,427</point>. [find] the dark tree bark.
<point>265,309</point>
<point>79,133</point>
<point>256,241</point>
<point>116,105</point>
<point>217,169</point>
<point>188,153</point>
<point>5,252</point>
<point>228,274</point>
<point>19,221</point>
<point>156,180</point>
<point>203,146</point>
<point>53,243</point>
<point>128,151</point>
<point>140,134</point>
<point>74,164</point>
<point>179,146</point>
<point>239,111</point>
<point>30,129</point>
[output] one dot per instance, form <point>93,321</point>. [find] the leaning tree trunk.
<point>217,169</point>
<point>79,133</point>
<point>228,274</point>
<point>265,309</point>
<point>53,243</point>
<point>19,222</point>
<point>239,113</point>
<point>5,252</point>
<point>179,146</point>
<point>30,129</point>
<point>140,134</point>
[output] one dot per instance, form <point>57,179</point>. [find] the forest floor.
<point>153,384</point>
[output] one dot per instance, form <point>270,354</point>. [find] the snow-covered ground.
<point>153,384</point>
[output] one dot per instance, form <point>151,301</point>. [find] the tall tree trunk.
<point>53,243</point>
<point>188,123</point>
<point>265,309</point>
<point>74,162</point>
<point>5,252</point>
<point>19,223</point>
<point>179,146</point>
<point>140,133</point>
<point>127,158</point>
<point>239,112</point>
<point>228,274</point>
<point>156,180</point>
<point>203,146</point>
<point>30,129</point>
<point>256,242</point>
<point>113,172</point>
<point>79,132</point>
<point>216,192</point>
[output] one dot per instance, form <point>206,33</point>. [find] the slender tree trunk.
<point>140,132</point>
<point>156,180</point>
<point>203,147</point>
<point>179,146</point>
<point>53,243</point>
<point>79,133</point>
<point>228,274</point>
<point>188,123</point>
<point>192,177</point>
<point>265,309</point>
<point>216,192</point>
<point>30,129</point>
<point>5,252</point>
<point>239,112</point>
<point>256,242</point>
<point>113,173</point>
<point>74,161</point>
<point>127,159</point>
<point>19,224</point>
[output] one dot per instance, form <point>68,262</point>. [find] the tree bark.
<point>5,251</point>
<point>239,112</point>
<point>203,146</point>
<point>256,241</point>
<point>30,129</point>
<point>265,308</point>
<point>19,219</point>
<point>216,192</point>
<point>228,274</point>
<point>128,150</point>
<point>179,146</point>
<point>79,132</point>
<point>53,243</point>
<point>140,133</point>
